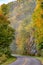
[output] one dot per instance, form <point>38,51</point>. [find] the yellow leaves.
<point>38,22</point>
<point>38,4</point>
<point>39,1</point>
<point>36,7</point>
<point>37,17</point>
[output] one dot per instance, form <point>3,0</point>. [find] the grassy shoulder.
<point>9,60</point>
<point>39,58</point>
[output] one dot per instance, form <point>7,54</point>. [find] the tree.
<point>6,35</point>
<point>38,25</point>
<point>5,8</point>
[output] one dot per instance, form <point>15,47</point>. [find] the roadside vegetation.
<point>9,61</point>
<point>6,37</point>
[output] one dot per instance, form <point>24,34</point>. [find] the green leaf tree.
<point>5,8</point>
<point>7,34</point>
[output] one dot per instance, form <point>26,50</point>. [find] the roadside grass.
<point>39,58</point>
<point>9,61</point>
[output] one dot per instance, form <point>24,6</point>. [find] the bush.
<point>3,58</point>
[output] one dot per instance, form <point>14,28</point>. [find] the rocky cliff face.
<point>20,10</point>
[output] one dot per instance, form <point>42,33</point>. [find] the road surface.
<point>25,60</point>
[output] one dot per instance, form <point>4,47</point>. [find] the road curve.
<point>23,60</point>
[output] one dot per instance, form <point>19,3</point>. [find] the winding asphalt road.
<point>25,60</point>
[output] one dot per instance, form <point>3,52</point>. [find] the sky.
<point>5,1</point>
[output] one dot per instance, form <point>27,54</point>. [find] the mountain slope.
<point>19,11</point>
